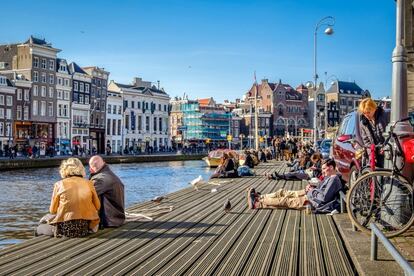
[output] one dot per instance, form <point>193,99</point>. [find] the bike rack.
<point>377,234</point>
<point>342,201</point>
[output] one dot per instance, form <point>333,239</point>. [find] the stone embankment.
<point>6,164</point>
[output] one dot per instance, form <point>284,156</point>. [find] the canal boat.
<point>214,157</point>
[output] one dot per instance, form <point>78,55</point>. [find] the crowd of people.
<point>80,206</point>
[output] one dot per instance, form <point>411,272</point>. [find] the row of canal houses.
<point>45,101</point>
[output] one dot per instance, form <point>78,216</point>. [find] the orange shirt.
<point>75,198</point>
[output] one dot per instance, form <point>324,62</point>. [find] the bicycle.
<point>384,196</point>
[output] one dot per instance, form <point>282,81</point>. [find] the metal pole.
<point>399,73</point>
<point>250,127</point>
<point>374,246</point>
<point>315,83</point>
<point>229,130</point>
<point>256,122</point>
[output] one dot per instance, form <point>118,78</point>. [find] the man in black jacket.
<point>110,191</point>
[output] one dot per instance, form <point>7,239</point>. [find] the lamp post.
<point>329,22</point>
<point>241,140</point>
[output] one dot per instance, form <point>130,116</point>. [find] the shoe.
<point>269,176</point>
<point>251,198</point>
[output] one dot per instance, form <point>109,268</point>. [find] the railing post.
<point>374,246</point>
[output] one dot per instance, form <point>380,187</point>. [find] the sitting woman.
<point>304,173</point>
<point>249,160</point>
<point>74,206</point>
<point>227,168</point>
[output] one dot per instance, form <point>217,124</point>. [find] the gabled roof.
<point>74,68</point>
<point>204,101</point>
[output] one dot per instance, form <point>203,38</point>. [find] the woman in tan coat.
<point>74,205</point>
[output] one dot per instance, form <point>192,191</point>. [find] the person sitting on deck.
<point>74,206</point>
<point>322,199</point>
<point>249,160</point>
<point>304,173</point>
<point>111,192</point>
<point>226,169</point>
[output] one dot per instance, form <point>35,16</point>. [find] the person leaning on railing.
<point>373,122</point>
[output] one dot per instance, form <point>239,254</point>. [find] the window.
<point>132,104</point>
<point>35,90</point>
<point>139,105</point>
<point>35,76</point>
<point>43,91</point>
<point>119,109</point>
<point>1,113</point>
<point>59,93</point>
<point>127,121</point>
<point>65,110</point>
<point>26,94</point>
<point>114,109</point>
<point>66,95</point>
<point>350,127</point>
<point>75,86</point>
<point>147,123</point>
<point>51,79</point>
<point>44,78</point>
<point>26,113</point>
<point>80,99</point>
<point>119,127</point>
<point>8,114</point>
<point>159,107</point>
<point>43,108</point>
<point>109,109</point>
<point>67,82</point>
<point>19,112</point>
<point>86,88</point>
<point>1,129</point>
<point>343,127</point>
<point>19,94</point>
<point>155,124</point>
<point>43,63</point>
<point>35,108</point>
<point>36,62</point>
<point>160,124</point>
<point>8,129</point>
<point>108,126</point>
<point>113,127</point>
<point>51,92</point>
<point>125,104</point>
<point>51,64</point>
<point>81,87</point>
<point>2,99</point>
<point>139,122</point>
<point>86,99</point>
<point>9,100</point>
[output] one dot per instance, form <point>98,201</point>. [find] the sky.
<point>212,48</point>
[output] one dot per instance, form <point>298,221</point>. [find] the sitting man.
<point>110,191</point>
<point>322,199</point>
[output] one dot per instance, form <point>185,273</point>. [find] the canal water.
<point>25,194</point>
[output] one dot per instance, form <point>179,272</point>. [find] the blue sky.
<point>212,48</point>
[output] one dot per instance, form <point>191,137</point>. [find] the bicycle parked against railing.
<point>384,196</point>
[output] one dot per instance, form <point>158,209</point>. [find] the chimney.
<point>136,81</point>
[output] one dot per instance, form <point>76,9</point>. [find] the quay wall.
<point>46,162</point>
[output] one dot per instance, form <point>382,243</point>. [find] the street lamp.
<point>241,140</point>
<point>329,22</point>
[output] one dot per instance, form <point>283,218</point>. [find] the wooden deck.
<point>197,238</point>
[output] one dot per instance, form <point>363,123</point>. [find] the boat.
<point>214,157</point>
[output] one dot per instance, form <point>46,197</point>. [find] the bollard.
<point>374,246</point>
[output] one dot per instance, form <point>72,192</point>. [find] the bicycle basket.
<point>408,149</point>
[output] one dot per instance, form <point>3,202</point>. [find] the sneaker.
<point>251,198</point>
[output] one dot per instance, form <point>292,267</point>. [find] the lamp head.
<point>329,31</point>
<point>309,85</point>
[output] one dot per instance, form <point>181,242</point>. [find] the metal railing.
<point>377,234</point>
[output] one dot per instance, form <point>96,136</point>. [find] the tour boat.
<point>214,157</point>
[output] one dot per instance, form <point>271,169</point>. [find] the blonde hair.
<point>367,105</point>
<point>72,167</point>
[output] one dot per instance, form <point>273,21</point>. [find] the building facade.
<point>35,61</point>
<point>22,123</point>
<point>7,102</point>
<point>81,87</point>
<point>288,106</point>
<point>63,112</point>
<point>114,122</point>
<point>145,116</point>
<point>98,106</point>
<point>346,96</point>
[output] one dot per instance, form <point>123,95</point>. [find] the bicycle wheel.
<point>383,199</point>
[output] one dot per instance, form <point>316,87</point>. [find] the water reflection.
<point>25,194</point>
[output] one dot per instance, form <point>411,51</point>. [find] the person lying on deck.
<point>322,199</point>
<point>304,172</point>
